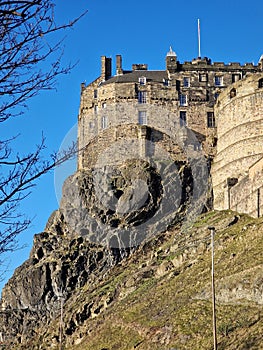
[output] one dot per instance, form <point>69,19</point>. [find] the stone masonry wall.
<point>200,99</point>
<point>239,114</point>
<point>247,195</point>
<point>126,138</point>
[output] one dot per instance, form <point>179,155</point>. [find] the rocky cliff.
<point>124,263</point>
<point>78,295</point>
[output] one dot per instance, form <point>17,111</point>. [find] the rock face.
<point>104,215</point>
<point>122,206</point>
<point>117,252</point>
<point>157,297</point>
<point>58,265</point>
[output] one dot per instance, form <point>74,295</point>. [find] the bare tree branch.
<point>25,30</point>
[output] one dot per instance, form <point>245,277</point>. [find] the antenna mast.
<point>199,39</point>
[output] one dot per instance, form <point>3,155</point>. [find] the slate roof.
<point>133,76</point>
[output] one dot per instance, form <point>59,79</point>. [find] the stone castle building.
<point>221,104</point>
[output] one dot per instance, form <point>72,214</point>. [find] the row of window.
<point>183,101</point>
<point>233,92</point>
<point>210,119</point>
<point>142,95</point>
<point>142,119</point>
<point>142,98</point>
<point>203,77</point>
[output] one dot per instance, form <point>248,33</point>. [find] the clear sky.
<point>142,32</point>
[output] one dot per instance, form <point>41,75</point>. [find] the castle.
<point>220,103</point>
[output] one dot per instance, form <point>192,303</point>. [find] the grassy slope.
<point>160,297</point>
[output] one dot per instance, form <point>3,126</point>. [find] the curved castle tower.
<point>237,167</point>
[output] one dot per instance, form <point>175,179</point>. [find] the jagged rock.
<point>58,265</point>
<point>160,284</point>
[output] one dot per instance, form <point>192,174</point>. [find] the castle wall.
<point>130,141</point>
<point>163,88</point>
<point>111,104</point>
<point>239,114</point>
<point>247,195</point>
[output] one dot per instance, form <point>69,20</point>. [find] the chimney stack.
<point>105,68</point>
<point>119,70</point>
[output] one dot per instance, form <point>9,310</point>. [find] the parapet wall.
<point>239,115</point>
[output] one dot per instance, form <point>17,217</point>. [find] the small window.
<point>233,93</point>
<point>183,100</point>
<point>95,109</point>
<point>182,118</point>
<point>142,97</point>
<point>142,80</point>
<point>95,93</point>
<point>260,83</point>
<point>219,80</point>
<point>104,122</point>
<point>166,82</point>
<point>211,120</point>
<point>104,105</point>
<point>235,77</point>
<point>186,82</point>
<point>91,125</point>
<point>216,95</point>
<point>203,77</point>
<point>142,118</point>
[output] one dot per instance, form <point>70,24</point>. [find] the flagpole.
<point>199,39</point>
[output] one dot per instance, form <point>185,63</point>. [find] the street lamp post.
<point>212,231</point>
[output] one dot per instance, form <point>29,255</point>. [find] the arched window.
<point>260,83</point>
<point>233,93</point>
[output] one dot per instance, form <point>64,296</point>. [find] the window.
<point>91,125</point>
<point>95,93</point>
<point>203,77</point>
<point>233,93</point>
<point>216,95</point>
<point>182,118</point>
<point>104,105</point>
<point>142,80</point>
<point>104,122</point>
<point>219,80</point>
<point>235,77</point>
<point>260,83</point>
<point>183,100</point>
<point>142,97</point>
<point>95,109</point>
<point>211,120</point>
<point>166,82</point>
<point>142,118</point>
<point>186,82</point>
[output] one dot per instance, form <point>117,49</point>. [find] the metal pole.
<point>212,230</point>
<point>258,202</point>
<point>199,39</point>
<point>61,322</point>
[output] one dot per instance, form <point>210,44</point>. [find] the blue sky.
<point>141,31</point>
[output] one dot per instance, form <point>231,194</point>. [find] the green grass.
<point>175,310</point>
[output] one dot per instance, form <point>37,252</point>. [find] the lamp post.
<point>62,299</point>
<point>212,231</point>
